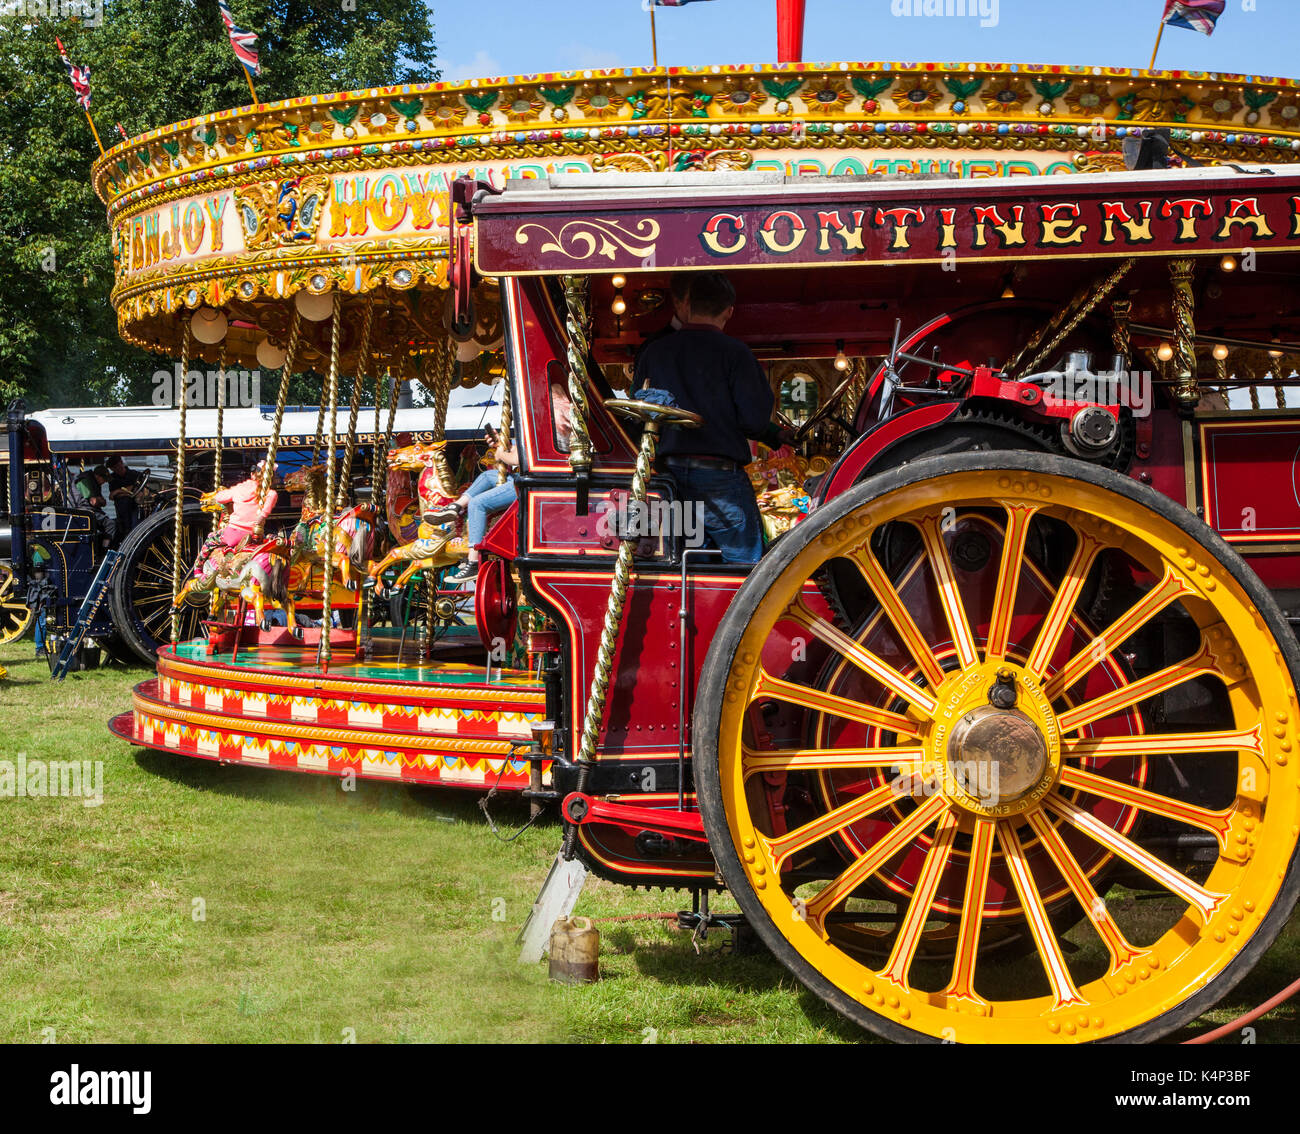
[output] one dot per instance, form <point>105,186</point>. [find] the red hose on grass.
<point>1242,1021</point>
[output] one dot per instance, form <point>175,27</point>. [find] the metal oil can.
<point>575,951</point>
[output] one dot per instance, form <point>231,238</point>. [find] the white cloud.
<point>481,66</point>
<point>578,57</point>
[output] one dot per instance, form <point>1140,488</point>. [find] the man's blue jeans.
<point>731,519</point>
<point>486,497</point>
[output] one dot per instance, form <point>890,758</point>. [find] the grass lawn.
<point>208,904</point>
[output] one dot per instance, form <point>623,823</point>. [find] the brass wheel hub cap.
<point>996,762</point>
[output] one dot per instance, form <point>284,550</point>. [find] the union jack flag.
<point>1195,15</point>
<point>79,77</point>
<point>244,43</point>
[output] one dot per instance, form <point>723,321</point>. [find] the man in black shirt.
<point>719,378</point>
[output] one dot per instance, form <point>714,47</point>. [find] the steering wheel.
<point>823,411</point>
<point>648,412</point>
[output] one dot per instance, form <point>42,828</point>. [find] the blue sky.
<point>512,37</point>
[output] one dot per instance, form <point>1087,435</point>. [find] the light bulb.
<point>1008,292</point>
<point>269,355</point>
<point>618,306</point>
<point>1228,263</point>
<point>619,282</point>
<point>316,308</point>
<point>1276,352</point>
<point>1164,352</point>
<point>841,360</point>
<point>1220,351</point>
<point>209,325</point>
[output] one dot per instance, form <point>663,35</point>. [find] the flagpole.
<point>93,130</point>
<point>1159,35</point>
<point>249,77</point>
<point>654,37</point>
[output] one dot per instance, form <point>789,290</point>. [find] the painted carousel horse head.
<point>436,544</point>
<point>352,542</point>
<point>256,574</point>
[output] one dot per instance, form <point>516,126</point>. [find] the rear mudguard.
<point>858,458</point>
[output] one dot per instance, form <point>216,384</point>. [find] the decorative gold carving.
<point>825,96</point>
<point>580,240</point>
<point>283,212</point>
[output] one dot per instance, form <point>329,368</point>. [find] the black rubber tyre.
<point>724,654</point>
<point>141,595</point>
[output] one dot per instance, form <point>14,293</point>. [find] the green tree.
<point>152,62</point>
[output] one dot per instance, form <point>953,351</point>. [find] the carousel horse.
<point>439,540</point>
<point>254,573</point>
<point>353,541</point>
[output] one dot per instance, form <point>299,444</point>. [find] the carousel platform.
<point>385,717</point>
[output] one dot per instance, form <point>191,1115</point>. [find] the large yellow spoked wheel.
<point>15,615</point>
<point>1035,781</point>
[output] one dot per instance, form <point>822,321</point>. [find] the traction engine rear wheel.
<point>975,758</point>
<point>16,616</point>
<point>141,598</point>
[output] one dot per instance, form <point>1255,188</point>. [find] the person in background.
<point>40,597</point>
<point>486,495</point>
<point>122,483</point>
<point>91,488</point>
<point>718,377</point>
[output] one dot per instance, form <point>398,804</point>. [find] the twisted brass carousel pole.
<point>179,511</point>
<point>354,407</point>
<point>327,582</point>
<point>215,597</point>
<point>281,399</point>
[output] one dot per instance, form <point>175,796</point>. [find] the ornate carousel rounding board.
<point>245,208</point>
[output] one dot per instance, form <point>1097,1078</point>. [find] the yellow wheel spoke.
<point>1201,663</point>
<point>931,528</point>
<point>1205,901</point>
<point>864,659</point>
<point>1167,743</point>
<point>1064,991</point>
<point>829,759</point>
<point>781,690</point>
<point>1120,949</point>
<point>962,985</point>
<point>909,933</point>
<point>1216,822</point>
<point>898,614</point>
<point>1170,589</point>
<point>1058,616</point>
<point>782,847</point>
<point>1004,599</point>
<point>879,853</point>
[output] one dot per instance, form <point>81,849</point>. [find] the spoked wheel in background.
<point>974,762</point>
<point>15,615</point>
<point>142,590</point>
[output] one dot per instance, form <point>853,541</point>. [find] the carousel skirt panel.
<point>431,722</point>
